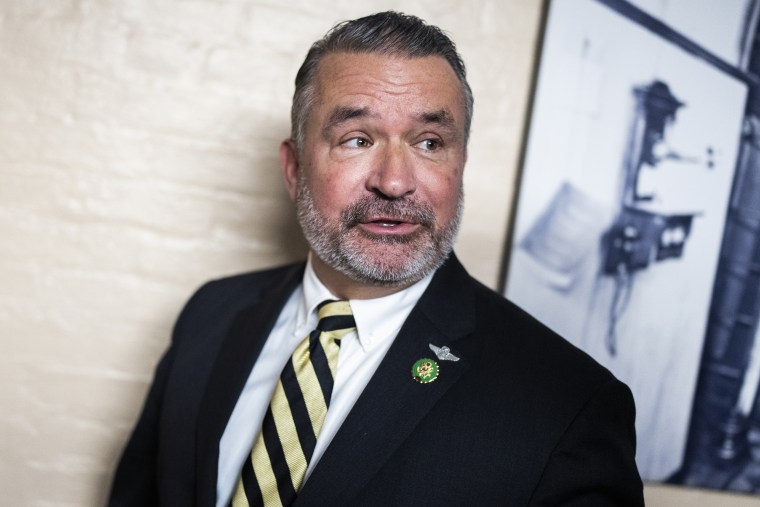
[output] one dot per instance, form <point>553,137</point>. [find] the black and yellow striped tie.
<point>282,451</point>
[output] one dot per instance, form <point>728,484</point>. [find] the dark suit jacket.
<point>523,418</point>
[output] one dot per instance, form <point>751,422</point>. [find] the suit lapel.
<point>241,347</point>
<point>393,404</point>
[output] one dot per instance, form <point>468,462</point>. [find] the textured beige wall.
<point>138,145</point>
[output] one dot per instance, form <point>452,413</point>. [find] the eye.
<point>430,144</point>
<point>357,142</point>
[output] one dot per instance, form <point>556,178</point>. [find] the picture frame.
<point>625,204</point>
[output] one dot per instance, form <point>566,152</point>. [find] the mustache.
<point>405,210</point>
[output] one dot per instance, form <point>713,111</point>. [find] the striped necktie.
<point>282,451</point>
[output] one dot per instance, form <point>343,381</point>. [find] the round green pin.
<point>425,371</point>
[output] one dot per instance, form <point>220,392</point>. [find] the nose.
<point>393,176</point>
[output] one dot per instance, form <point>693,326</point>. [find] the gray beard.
<point>409,258</point>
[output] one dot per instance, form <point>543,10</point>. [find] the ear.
<point>289,166</point>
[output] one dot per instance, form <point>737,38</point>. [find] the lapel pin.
<point>425,371</point>
<point>443,353</point>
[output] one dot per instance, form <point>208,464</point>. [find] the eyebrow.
<point>343,114</point>
<point>441,117</point>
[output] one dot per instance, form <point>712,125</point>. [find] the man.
<point>420,386</point>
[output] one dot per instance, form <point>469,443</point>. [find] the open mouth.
<point>383,222</point>
<point>387,218</point>
<point>388,225</point>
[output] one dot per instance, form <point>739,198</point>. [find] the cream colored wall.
<point>138,146</point>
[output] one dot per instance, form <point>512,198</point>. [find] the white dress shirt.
<point>378,321</point>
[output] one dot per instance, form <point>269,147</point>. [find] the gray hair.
<point>387,33</point>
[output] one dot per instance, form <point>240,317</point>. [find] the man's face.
<point>378,180</point>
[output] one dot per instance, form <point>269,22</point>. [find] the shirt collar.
<point>376,319</point>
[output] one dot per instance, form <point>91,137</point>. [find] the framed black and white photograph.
<point>636,231</point>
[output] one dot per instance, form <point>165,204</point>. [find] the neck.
<point>345,287</point>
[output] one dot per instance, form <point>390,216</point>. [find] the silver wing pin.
<point>443,353</point>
